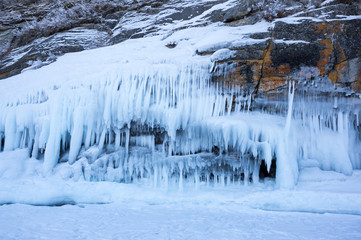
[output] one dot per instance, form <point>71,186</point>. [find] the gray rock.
<point>349,38</point>
<point>304,31</point>
<point>6,37</point>
<point>239,12</point>
<point>296,54</point>
<point>351,71</point>
<point>331,12</point>
<point>304,2</point>
<point>114,15</point>
<point>261,35</point>
<point>247,20</point>
<point>345,33</point>
<point>216,16</point>
<point>115,21</point>
<point>150,24</point>
<point>45,50</point>
<point>251,52</point>
<point>125,34</point>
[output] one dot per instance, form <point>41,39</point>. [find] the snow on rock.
<point>222,54</point>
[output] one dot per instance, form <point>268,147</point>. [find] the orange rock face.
<point>332,49</point>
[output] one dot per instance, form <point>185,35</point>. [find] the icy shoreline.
<point>326,206</point>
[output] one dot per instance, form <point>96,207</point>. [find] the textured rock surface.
<point>35,32</point>
<point>44,50</point>
<point>318,40</point>
<point>299,48</point>
<point>239,12</point>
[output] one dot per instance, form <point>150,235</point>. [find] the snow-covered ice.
<point>325,207</point>
<point>324,204</point>
<point>139,220</point>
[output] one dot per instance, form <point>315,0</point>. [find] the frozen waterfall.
<point>168,124</point>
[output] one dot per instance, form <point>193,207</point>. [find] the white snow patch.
<point>222,54</point>
<point>290,41</point>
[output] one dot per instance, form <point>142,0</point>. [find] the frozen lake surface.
<point>326,205</point>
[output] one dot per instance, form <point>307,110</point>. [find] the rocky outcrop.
<point>299,47</point>
<point>34,33</point>
<point>320,38</point>
<point>239,12</point>
<point>45,50</point>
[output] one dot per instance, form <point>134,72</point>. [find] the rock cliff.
<point>306,39</point>
<point>322,43</point>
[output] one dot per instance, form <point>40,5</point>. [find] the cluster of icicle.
<point>331,133</point>
<point>84,131</point>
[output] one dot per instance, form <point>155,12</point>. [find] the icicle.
<point>165,176</point>
<point>246,177</point>
<point>249,100</point>
<point>178,108</point>
<point>335,105</point>
<point>10,131</point>
<point>340,125</point>
<point>291,93</point>
<point>155,176</point>
<point>102,139</point>
<point>76,136</point>
<point>117,138</point>
<point>180,165</point>
<point>223,180</point>
<point>53,142</point>
<point>127,139</point>
<point>1,141</point>
<point>196,178</point>
<point>255,174</point>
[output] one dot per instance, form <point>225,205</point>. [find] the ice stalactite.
<point>331,140</point>
<point>172,126</point>
<point>291,94</point>
<point>287,168</point>
<point>55,136</point>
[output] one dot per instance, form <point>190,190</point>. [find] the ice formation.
<point>167,123</point>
